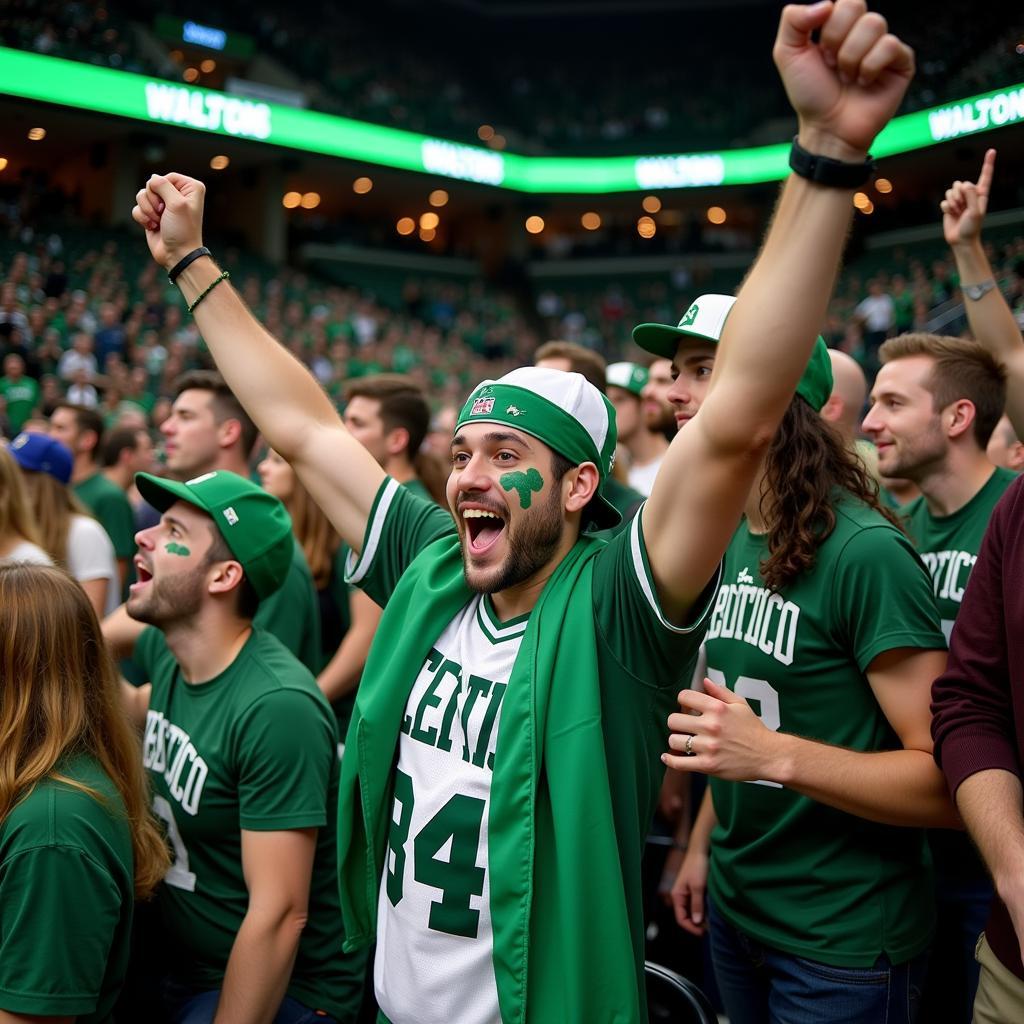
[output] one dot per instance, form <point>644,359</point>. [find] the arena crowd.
<point>332,694</point>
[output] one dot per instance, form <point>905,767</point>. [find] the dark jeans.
<point>762,985</point>
<point>199,1008</point>
<point>962,907</point>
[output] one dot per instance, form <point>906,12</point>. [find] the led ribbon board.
<point>33,76</point>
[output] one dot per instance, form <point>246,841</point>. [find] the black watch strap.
<point>826,171</point>
<point>175,272</point>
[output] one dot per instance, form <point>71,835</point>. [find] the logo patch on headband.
<point>231,516</point>
<point>513,410</point>
<point>482,406</point>
<point>690,315</point>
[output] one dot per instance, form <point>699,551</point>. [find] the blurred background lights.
<point>535,224</point>
<point>218,163</point>
<point>362,185</point>
<point>646,227</point>
<point>311,200</point>
<point>291,200</point>
<point>883,185</point>
<point>591,221</point>
<point>438,197</point>
<point>716,215</point>
<point>651,204</point>
<point>36,134</point>
<point>405,226</point>
<point>429,221</point>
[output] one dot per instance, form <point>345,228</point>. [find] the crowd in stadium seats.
<point>451,80</point>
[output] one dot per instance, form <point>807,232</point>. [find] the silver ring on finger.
<point>688,750</point>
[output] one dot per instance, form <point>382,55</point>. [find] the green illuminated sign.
<point>67,83</point>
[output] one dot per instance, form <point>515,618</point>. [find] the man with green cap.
<point>646,447</point>
<point>503,759</point>
<point>821,650</point>
<point>240,748</point>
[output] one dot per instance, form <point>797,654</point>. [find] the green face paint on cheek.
<point>523,483</point>
<point>177,549</point>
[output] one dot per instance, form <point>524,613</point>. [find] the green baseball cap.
<point>255,525</point>
<point>632,377</point>
<point>704,320</point>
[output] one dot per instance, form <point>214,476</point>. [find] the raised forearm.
<point>259,968</point>
<point>992,323</point>
<point>781,306</point>
<point>894,787</point>
<point>279,393</point>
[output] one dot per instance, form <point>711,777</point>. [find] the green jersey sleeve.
<point>400,526</point>
<point>61,911</point>
<point>288,745</point>
<point>629,616</point>
<point>883,596</point>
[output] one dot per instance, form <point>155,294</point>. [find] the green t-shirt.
<point>794,873</point>
<point>949,545</point>
<point>21,397</point>
<point>254,748</point>
<point>642,660</point>
<point>67,893</point>
<point>110,505</point>
<point>292,613</point>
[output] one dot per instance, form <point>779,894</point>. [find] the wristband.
<point>974,292</point>
<point>224,275</point>
<point>825,171</point>
<point>175,272</point>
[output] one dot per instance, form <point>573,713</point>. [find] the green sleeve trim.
<point>49,1005</point>
<point>284,822</point>
<point>916,640</point>
<point>356,569</point>
<point>645,577</point>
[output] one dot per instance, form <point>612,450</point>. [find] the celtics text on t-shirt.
<point>795,874</point>
<point>949,545</point>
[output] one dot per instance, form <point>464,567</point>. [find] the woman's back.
<point>66,893</point>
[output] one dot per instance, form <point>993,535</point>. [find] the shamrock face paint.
<point>177,549</point>
<point>525,484</point>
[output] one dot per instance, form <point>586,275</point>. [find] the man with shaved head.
<point>849,393</point>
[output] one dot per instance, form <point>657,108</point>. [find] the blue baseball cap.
<point>43,454</point>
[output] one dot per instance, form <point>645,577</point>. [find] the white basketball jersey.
<point>434,938</point>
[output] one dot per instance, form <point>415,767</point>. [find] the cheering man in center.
<point>503,763</point>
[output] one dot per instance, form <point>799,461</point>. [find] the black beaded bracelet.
<point>825,171</point>
<point>186,261</point>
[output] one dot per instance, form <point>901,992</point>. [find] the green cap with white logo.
<point>632,377</point>
<point>255,525</point>
<point>704,320</point>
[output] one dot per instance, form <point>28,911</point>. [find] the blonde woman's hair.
<point>60,697</point>
<point>16,518</point>
<point>53,504</point>
<point>318,539</point>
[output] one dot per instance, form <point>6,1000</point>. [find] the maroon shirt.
<point>978,703</point>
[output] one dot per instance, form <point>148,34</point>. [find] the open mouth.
<point>483,530</point>
<point>142,574</point>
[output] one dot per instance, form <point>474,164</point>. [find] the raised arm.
<point>277,391</point>
<point>990,317</point>
<point>707,473</point>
